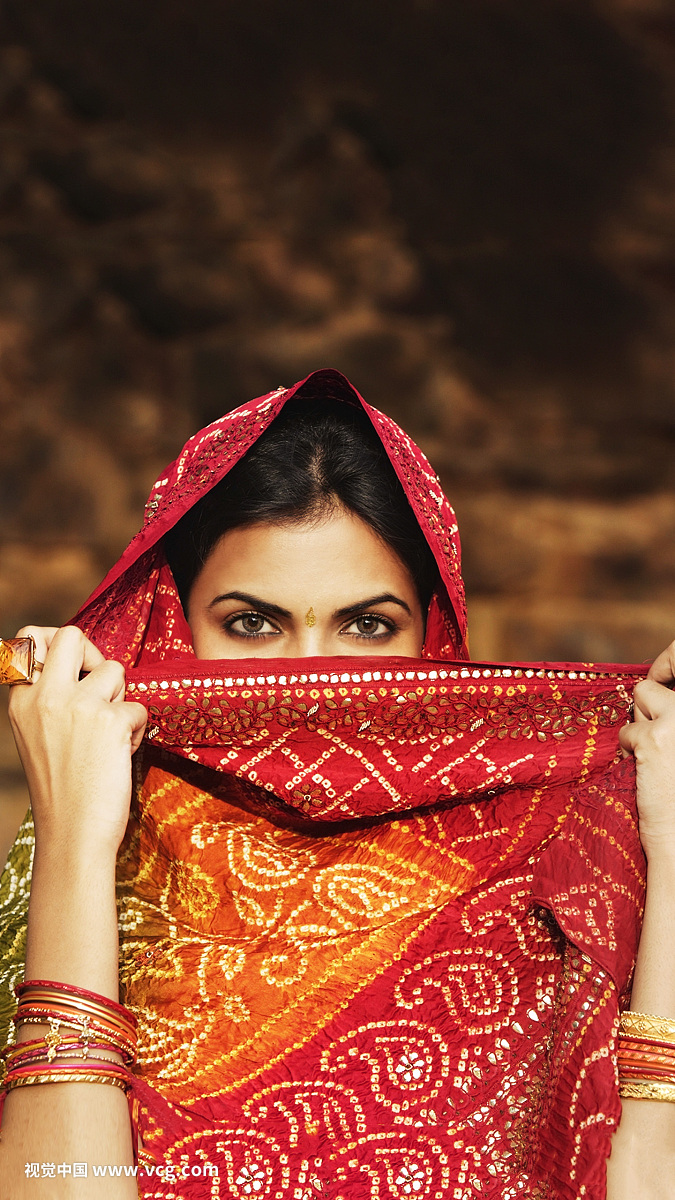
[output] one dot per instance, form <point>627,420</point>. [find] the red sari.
<point>377,917</point>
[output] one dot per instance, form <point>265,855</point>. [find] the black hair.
<point>317,455</point>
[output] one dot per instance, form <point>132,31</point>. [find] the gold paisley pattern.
<point>391,737</point>
<point>371,1008</point>
<point>271,923</point>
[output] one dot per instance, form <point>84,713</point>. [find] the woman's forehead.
<point>329,558</point>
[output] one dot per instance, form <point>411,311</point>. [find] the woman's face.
<point>299,590</point>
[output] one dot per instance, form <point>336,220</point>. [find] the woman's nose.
<point>312,641</point>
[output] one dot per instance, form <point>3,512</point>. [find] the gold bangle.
<point>67,1077</point>
<point>646,1025</point>
<point>646,1089</point>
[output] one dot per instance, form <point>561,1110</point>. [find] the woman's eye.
<point>370,626</point>
<point>251,624</point>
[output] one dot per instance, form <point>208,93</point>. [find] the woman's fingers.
<point>66,651</point>
<point>628,735</point>
<point>138,716</point>
<point>42,635</point>
<point>652,700</point>
<point>662,669</point>
<point>650,739</point>
<point>67,655</point>
<point>76,733</point>
<point>106,680</point>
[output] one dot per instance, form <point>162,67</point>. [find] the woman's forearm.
<point>72,938</point>
<point>654,982</point>
<point>642,1162</point>
<point>72,918</point>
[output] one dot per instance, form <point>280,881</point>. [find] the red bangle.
<point>82,993</point>
<point>629,1039</point>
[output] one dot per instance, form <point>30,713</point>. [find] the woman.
<point>376,919</point>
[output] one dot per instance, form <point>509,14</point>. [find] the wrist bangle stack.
<point>646,1057</point>
<point>103,1030</point>
<point>63,1000</point>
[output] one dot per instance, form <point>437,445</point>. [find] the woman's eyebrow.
<point>385,598</point>
<point>253,602</point>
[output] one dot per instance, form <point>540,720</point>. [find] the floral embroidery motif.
<point>411,1067</point>
<point>411,1180</point>
<point>418,1045</point>
<point>251,1180</point>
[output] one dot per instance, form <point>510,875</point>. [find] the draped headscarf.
<point>377,916</point>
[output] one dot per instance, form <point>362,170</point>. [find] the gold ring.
<point>18,663</point>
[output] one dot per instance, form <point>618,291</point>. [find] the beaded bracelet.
<point>50,1047</point>
<point>37,1055</point>
<point>85,1028</point>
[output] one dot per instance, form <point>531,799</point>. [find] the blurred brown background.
<point>468,207</point>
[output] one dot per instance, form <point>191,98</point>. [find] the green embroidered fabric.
<point>14,896</point>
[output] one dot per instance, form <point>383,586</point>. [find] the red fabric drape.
<point>377,916</point>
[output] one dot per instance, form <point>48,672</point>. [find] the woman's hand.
<point>651,739</point>
<point>75,737</point>
<point>642,1162</point>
